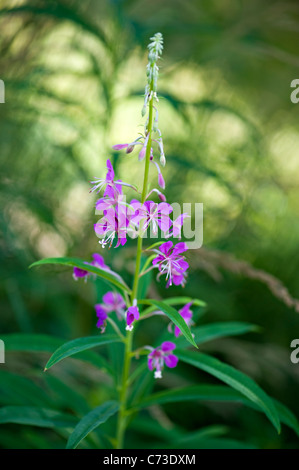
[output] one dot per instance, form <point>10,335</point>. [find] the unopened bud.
<point>130,148</point>
<point>163,159</point>
<point>161,197</point>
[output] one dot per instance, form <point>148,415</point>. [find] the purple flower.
<point>177,225</point>
<point>102,316</point>
<point>113,224</point>
<point>132,315</point>
<point>98,262</point>
<point>170,262</point>
<point>143,150</point>
<point>160,356</point>
<point>120,146</point>
<point>112,302</point>
<point>186,313</point>
<point>108,183</point>
<point>152,214</point>
<point>161,181</point>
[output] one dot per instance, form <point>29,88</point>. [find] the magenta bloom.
<point>102,316</point>
<point>177,225</point>
<point>112,302</point>
<point>186,313</point>
<point>98,262</point>
<point>170,262</point>
<point>152,214</point>
<point>132,315</point>
<point>160,356</point>
<point>114,224</point>
<point>108,183</point>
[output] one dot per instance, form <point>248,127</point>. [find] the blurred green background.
<point>74,76</point>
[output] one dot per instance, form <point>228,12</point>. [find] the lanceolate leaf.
<point>184,300</point>
<point>206,333</point>
<point>218,393</point>
<point>46,343</point>
<point>78,345</point>
<point>91,421</point>
<point>35,416</point>
<point>234,379</point>
<point>174,316</point>
<point>109,276</point>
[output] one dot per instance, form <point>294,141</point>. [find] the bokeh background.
<point>74,76</point>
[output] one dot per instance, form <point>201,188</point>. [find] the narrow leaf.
<point>35,416</point>
<point>78,345</point>
<point>234,379</point>
<point>174,316</point>
<point>46,343</point>
<point>91,421</point>
<point>212,331</point>
<point>109,276</point>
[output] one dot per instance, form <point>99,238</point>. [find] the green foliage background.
<point>74,75</point>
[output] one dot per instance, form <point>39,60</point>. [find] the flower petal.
<point>171,360</point>
<point>167,346</point>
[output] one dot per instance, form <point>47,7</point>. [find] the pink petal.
<point>167,346</point>
<point>171,360</point>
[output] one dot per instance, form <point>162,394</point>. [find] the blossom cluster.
<point>120,219</point>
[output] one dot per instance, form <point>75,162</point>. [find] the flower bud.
<point>163,159</point>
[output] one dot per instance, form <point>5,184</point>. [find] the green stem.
<point>123,394</point>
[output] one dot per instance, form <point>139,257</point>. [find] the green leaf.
<point>66,396</point>
<point>109,276</point>
<point>91,421</point>
<point>46,343</point>
<point>35,416</point>
<point>234,379</point>
<point>217,393</point>
<point>212,331</point>
<point>184,300</point>
<point>217,444</point>
<point>174,316</point>
<point>144,281</point>
<point>79,344</point>
<point>18,390</point>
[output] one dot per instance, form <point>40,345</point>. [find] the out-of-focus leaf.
<point>35,416</point>
<point>15,389</point>
<point>65,396</point>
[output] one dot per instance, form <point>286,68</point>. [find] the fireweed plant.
<point>123,308</point>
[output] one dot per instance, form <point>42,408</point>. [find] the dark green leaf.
<point>234,379</point>
<point>91,421</point>
<point>35,416</point>
<point>78,345</point>
<point>46,343</point>
<point>212,331</point>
